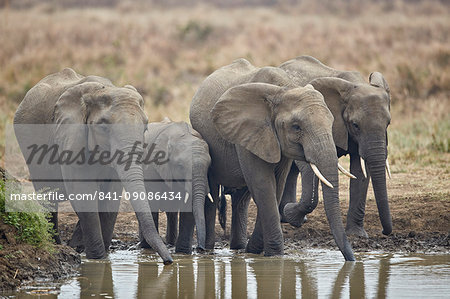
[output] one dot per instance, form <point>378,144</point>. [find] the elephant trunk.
<point>199,190</point>
<point>131,175</point>
<point>376,162</point>
<point>323,155</point>
<point>332,208</point>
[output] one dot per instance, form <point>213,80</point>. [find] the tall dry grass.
<point>167,52</point>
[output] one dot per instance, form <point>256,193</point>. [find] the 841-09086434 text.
<point>57,196</point>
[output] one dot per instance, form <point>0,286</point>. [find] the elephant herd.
<point>253,131</point>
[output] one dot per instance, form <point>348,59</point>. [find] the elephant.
<point>361,117</point>
<point>81,112</point>
<point>254,131</point>
<point>189,159</point>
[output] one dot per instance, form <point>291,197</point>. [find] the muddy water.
<point>311,274</point>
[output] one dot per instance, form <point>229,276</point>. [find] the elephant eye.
<point>296,127</point>
<point>355,126</point>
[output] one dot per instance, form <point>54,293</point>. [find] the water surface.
<point>311,274</point>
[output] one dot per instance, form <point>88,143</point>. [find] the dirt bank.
<point>21,262</point>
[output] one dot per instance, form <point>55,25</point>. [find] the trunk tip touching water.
<point>168,262</point>
<point>333,213</point>
<point>377,168</point>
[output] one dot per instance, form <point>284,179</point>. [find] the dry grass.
<point>167,52</point>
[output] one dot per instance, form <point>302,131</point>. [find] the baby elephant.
<point>186,162</point>
<point>187,165</point>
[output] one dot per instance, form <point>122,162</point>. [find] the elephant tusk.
<point>210,198</point>
<point>186,197</point>
<point>363,167</point>
<point>388,169</point>
<point>320,176</point>
<point>344,171</point>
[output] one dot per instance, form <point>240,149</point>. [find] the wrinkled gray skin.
<point>188,159</point>
<point>69,98</point>
<point>254,131</point>
<point>361,117</point>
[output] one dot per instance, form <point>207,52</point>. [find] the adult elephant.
<point>83,112</point>
<point>254,130</point>
<point>361,116</point>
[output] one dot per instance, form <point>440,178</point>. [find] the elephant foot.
<point>254,247</point>
<point>209,245</point>
<point>254,250</point>
<point>183,250</point>
<point>200,249</point>
<point>96,254</point>
<point>355,230</point>
<point>294,215</point>
<point>274,252</point>
<point>79,248</point>
<point>237,245</point>
<point>57,239</point>
<point>283,219</point>
<point>144,244</point>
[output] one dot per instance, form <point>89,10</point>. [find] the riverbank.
<point>21,263</point>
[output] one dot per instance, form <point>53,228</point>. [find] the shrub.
<point>32,227</point>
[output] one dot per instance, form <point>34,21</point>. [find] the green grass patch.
<point>419,141</point>
<point>33,227</point>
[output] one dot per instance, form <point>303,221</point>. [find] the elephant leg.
<point>240,200</point>
<point>256,242</point>
<point>295,213</point>
<point>92,235</point>
<point>260,179</point>
<point>184,241</point>
<point>108,210</point>
<point>87,212</point>
<point>107,221</point>
<point>142,242</point>
<point>210,223</point>
<point>172,228</point>
<point>210,212</point>
<point>358,195</point>
<point>54,220</point>
<point>290,191</point>
<point>76,240</point>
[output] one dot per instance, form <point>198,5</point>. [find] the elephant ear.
<point>70,116</point>
<point>376,79</point>
<point>334,91</point>
<point>243,115</point>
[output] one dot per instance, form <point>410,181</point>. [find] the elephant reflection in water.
<point>208,278</point>
<point>357,279</point>
<point>95,279</point>
<point>276,278</point>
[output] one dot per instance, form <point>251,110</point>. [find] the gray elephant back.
<point>216,84</point>
<point>304,69</point>
<point>209,93</point>
<point>179,129</point>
